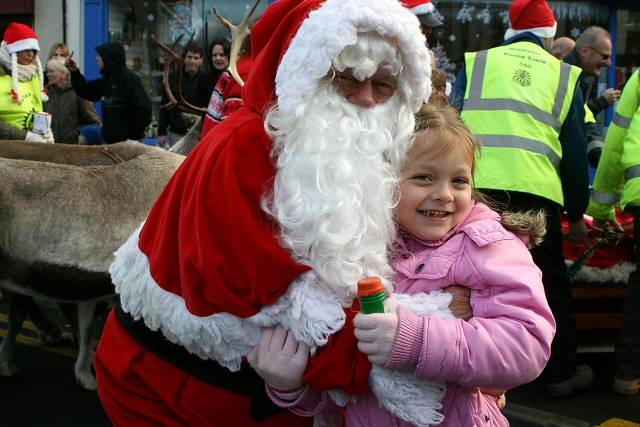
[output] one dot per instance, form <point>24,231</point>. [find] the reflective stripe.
<point>563,86</point>
<point>595,144</point>
<point>477,76</point>
<point>510,141</point>
<point>606,198</point>
<point>632,172</point>
<point>621,121</point>
<point>476,102</point>
<point>515,106</point>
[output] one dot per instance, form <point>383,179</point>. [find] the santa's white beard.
<point>336,185</point>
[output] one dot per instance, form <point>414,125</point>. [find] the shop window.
<point>473,25</point>
<point>133,24</point>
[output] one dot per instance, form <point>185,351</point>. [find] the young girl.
<point>446,237</point>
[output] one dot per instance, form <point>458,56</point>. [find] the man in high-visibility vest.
<point>618,180</point>
<point>522,104</point>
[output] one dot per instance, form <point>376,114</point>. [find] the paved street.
<point>45,394</point>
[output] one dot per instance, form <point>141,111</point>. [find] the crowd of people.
<point>344,156</point>
<point>62,91</point>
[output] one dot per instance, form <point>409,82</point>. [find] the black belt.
<point>245,382</point>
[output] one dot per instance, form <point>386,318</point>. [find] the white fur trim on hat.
<point>24,44</point>
<point>542,32</point>
<point>335,25</point>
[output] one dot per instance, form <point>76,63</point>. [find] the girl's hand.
<point>461,302</point>
<point>376,333</point>
<point>280,359</point>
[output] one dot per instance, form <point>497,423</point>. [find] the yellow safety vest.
<point>618,174</point>
<point>516,100</point>
<point>20,115</point>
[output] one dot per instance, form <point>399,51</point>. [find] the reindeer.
<point>59,227</point>
<point>80,155</point>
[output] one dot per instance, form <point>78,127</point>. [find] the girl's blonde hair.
<point>444,125</point>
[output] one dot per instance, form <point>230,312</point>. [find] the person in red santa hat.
<point>534,156</point>
<point>21,84</point>
<point>427,14</point>
<point>270,221</point>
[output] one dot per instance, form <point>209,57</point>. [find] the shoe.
<point>580,380</point>
<point>627,387</point>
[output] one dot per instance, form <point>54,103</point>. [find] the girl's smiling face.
<point>436,189</point>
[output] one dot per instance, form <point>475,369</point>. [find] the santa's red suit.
<point>206,272</point>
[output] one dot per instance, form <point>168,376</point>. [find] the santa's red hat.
<point>18,37</point>
<point>534,16</point>
<point>424,10</point>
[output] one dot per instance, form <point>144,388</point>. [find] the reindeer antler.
<point>238,34</point>
<point>171,57</point>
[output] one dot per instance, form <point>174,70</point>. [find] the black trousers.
<point>628,345</point>
<point>549,258</point>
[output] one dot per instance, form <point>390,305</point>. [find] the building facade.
<point>469,25</point>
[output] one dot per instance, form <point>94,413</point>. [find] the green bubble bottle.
<point>372,295</point>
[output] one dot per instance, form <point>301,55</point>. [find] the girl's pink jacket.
<point>507,342</point>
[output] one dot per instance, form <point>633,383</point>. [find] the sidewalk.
<point>527,407</point>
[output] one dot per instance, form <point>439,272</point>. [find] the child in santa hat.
<point>21,80</point>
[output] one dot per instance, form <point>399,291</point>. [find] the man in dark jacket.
<point>126,108</point>
<point>175,121</point>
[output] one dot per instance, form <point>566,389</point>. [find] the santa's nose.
<point>363,95</point>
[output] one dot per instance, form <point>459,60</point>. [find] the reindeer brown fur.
<point>61,223</point>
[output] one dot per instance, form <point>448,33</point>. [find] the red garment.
<point>226,96</point>
<point>142,390</point>
<point>339,364</point>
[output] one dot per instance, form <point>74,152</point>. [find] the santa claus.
<point>271,220</point>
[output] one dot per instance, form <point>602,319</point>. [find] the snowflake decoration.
<point>575,32</point>
<point>504,16</point>
<point>438,15</point>
<point>484,15</point>
<point>464,15</point>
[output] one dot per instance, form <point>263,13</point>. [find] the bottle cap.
<point>370,286</point>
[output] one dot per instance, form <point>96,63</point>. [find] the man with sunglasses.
<point>592,52</point>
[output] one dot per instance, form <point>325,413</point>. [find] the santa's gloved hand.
<point>280,359</point>
<point>47,138</point>
<point>375,333</point>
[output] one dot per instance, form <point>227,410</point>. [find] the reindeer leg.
<point>17,313</point>
<point>48,332</point>
<point>86,322</point>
